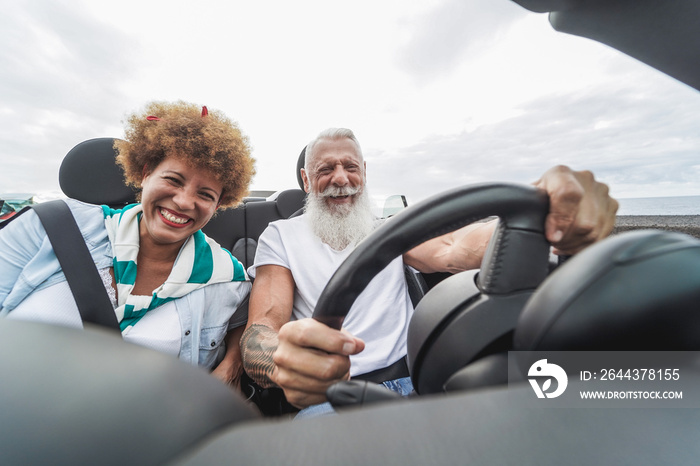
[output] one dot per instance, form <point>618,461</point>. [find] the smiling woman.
<point>172,288</point>
<point>204,139</point>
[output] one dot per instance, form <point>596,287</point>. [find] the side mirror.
<point>393,205</point>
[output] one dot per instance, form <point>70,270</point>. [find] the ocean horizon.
<point>671,205</point>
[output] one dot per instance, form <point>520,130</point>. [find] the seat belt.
<point>397,370</point>
<point>76,261</point>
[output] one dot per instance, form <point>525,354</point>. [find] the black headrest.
<point>89,173</point>
<point>300,165</point>
<point>290,201</point>
<point>635,291</point>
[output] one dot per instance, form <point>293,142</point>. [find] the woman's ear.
<point>145,172</point>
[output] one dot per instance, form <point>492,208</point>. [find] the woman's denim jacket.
<point>28,263</point>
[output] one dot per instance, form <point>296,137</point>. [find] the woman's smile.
<point>173,219</point>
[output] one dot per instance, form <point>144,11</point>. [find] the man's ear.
<point>305,179</point>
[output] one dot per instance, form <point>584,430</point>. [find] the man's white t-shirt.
<point>380,314</point>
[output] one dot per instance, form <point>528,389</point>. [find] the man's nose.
<point>340,177</point>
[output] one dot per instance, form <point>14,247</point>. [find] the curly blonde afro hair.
<point>207,141</point>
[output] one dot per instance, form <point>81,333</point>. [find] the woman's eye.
<point>173,180</point>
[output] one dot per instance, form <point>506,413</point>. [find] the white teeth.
<point>173,218</point>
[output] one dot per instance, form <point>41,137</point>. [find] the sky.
<point>440,93</point>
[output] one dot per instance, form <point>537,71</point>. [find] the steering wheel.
<point>515,263</point>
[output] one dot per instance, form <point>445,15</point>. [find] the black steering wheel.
<point>522,210</point>
<point>516,262</point>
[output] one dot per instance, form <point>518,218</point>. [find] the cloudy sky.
<point>439,92</point>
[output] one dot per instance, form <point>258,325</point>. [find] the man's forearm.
<point>258,343</point>
<point>454,252</point>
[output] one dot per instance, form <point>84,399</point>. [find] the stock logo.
<point>545,372</point>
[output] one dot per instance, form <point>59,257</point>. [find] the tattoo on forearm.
<point>257,345</point>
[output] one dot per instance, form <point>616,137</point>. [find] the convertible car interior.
<point>100,400</point>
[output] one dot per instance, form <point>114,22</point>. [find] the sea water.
<point>676,205</point>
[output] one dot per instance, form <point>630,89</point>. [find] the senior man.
<point>283,347</point>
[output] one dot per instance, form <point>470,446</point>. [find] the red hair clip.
<point>152,118</point>
<point>205,112</point>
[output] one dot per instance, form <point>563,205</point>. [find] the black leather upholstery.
<point>484,372</point>
<point>238,229</point>
<point>635,291</point>
<point>227,226</point>
<point>89,173</point>
<point>490,427</point>
<point>290,201</point>
<point>87,397</point>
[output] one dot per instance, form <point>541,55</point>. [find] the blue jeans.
<point>402,386</point>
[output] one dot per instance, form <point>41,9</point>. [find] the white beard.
<point>341,225</point>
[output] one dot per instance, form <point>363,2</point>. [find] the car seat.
<point>89,173</point>
<point>238,229</point>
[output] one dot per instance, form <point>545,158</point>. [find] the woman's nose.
<point>184,199</point>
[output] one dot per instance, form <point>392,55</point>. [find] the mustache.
<point>335,191</point>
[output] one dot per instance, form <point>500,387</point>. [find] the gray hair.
<point>332,134</point>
